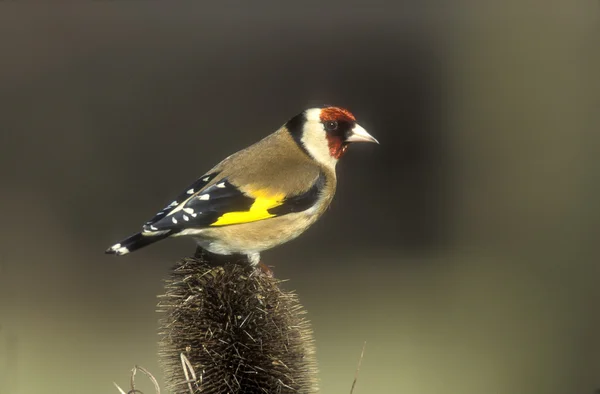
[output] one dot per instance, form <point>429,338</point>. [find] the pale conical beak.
<point>358,134</point>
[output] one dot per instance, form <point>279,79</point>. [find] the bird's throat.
<point>337,147</point>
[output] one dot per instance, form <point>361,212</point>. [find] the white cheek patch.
<point>315,141</point>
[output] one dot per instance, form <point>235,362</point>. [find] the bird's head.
<point>325,133</point>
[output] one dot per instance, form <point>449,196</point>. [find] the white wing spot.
<point>174,203</point>
<point>186,218</point>
<point>153,228</point>
<point>115,247</point>
<point>205,179</point>
<point>194,214</point>
<point>160,213</point>
<point>188,210</point>
<point>221,185</point>
<point>174,220</point>
<point>122,251</point>
<point>204,197</point>
<point>191,191</point>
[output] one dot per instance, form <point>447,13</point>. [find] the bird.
<point>262,196</point>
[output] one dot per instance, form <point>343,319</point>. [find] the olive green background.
<point>463,249</point>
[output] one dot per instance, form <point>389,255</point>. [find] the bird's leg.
<point>254,259</point>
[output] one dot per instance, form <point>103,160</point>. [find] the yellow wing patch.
<point>258,211</point>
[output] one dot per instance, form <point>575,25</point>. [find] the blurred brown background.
<point>463,249</point>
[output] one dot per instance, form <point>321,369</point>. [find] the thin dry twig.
<point>121,391</point>
<point>187,371</point>
<point>362,353</point>
<point>132,381</point>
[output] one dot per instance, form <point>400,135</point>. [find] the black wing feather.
<point>199,212</point>
<point>191,189</point>
<point>223,197</point>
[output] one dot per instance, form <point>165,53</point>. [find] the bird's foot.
<point>265,270</point>
<point>254,260</point>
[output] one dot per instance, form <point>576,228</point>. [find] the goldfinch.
<point>261,196</point>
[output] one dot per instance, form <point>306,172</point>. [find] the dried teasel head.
<point>229,328</point>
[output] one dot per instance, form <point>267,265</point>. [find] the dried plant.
<point>229,328</point>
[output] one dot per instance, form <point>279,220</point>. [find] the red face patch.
<point>336,146</point>
<point>336,113</point>
<point>336,139</point>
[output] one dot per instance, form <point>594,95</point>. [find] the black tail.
<point>135,242</point>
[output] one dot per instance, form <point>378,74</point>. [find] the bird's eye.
<point>331,125</point>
